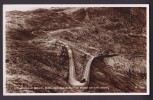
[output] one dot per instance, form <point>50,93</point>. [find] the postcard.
<point>76,49</point>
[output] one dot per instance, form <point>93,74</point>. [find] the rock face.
<point>36,62</point>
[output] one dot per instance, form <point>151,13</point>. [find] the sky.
<point>25,7</point>
<point>22,8</point>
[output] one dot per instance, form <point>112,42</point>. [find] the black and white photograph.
<point>76,49</point>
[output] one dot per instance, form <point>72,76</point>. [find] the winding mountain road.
<point>72,74</point>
